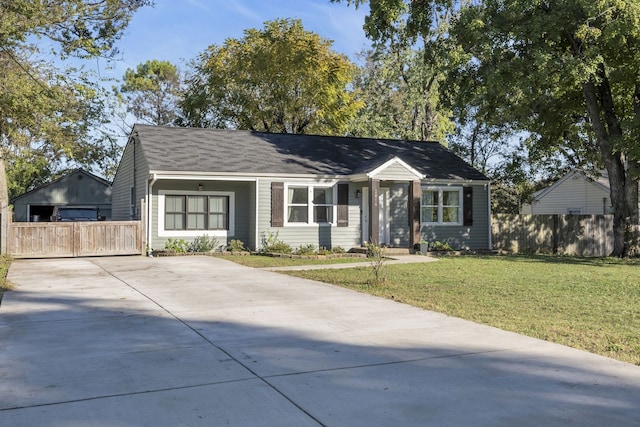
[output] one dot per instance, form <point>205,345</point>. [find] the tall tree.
<point>152,92</point>
<point>278,79</point>
<point>50,116</point>
<point>566,72</point>
<point>399,93</point>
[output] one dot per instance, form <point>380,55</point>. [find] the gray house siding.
<point>399,215</point>
<point>124,181</point>
<point>244,201</point>
<point>465,237</point>
<point>328,236</point>
<point>76,189</point>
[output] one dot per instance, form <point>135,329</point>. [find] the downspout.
<point>148,200</point>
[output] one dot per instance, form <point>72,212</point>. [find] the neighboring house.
<point>573,194</point>
<point>325,191</point>
<point>79,189</point>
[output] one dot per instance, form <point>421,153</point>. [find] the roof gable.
<point>218,151</point>
<point>80,173</point>
<point>600,184</point>
<point>401,170</point>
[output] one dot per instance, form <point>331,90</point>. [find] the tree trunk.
<point>600,107</point>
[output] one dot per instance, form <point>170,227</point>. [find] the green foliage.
<point>399,92</point>
<point>152,92</point>
<point>376,258</point>
<point>338,250</point>
<point>309,249</point>
<point>236,245</point>
<point>272,244</point>
<point>52,118</point>
<point>440,246</point>
<point>179,246</point>
<point>204,243</point>
<point>280,79</point>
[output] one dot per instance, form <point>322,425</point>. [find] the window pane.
<point>429,197</point>
<point>174,204</point>
<point>195,221</point>
<point>218,204</point>
<point>451,198</point>
<point>429,214</point>
<point>297,214</point>
<point>323,196</point>
<point>450,214</point>
<point>174,222</point>
<point>196,203</point>
<point>217,221</point>
<point>298,195</point>
<point>323,214</point>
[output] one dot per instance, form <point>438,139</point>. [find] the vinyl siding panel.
<point>461,237</point>
<point>124,180</point>
<point>399,215</point>
<point>244,210</point>
<point>318,235</point>
<point>395,172</point>
<point>576,192</point>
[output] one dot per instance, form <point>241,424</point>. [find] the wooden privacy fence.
<point>581,235</point>
<point>74,239</point>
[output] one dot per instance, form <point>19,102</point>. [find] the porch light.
<point>358,193</point>
<point>200,187</point>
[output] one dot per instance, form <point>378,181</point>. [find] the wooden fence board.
<point>581,235</point>
<point>72,239</point>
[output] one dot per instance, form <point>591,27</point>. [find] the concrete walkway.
<point>200,341</point>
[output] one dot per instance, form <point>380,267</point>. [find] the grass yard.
<point>5,262</point>
<point>259,261</point>
<point>590,304</point>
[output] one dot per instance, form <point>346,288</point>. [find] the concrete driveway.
<point>200,341</point>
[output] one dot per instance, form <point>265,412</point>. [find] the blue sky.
<point>178,30</point>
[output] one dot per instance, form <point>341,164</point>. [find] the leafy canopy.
<point>278,79</point>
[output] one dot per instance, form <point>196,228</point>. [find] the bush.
<point>440,246</point>
<point>375,255</point>
<point>271,244</point>
<point>309,249</point>
<point>236,246</point>
<point>179,246</point>
<point>324,251</point>
<point>338,250</point>
<point>204,243</point>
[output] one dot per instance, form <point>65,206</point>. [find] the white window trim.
<point>310,188</point>
<point>195,233</point>
<point>440,199</point>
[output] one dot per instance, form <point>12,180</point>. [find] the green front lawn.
<point>260,261</point>
<point>5,262</point>
<point>590,304</point>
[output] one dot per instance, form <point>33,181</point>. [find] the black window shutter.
<point>343,205</point>
<point>277,204</point>
<point>467,206</point>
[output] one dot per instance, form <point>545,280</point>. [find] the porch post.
<point>374,211</point>
<point>414,213</point>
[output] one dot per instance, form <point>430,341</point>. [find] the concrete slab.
<point>202,341</point>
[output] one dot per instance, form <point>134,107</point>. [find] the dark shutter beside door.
<point>277,204</point>
<point>343,205</point>
<point>467,206</point>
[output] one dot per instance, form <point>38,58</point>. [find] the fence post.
<point>555,233</point>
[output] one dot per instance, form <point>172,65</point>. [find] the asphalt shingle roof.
<point>177,149</point>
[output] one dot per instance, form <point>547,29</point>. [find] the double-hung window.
<point>191,212</point>
<point>441,205</point>
<point>310,204</point>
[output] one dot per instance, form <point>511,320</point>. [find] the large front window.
<point>196,212</point>
<point>441,205</point>
<point>310,204</point>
